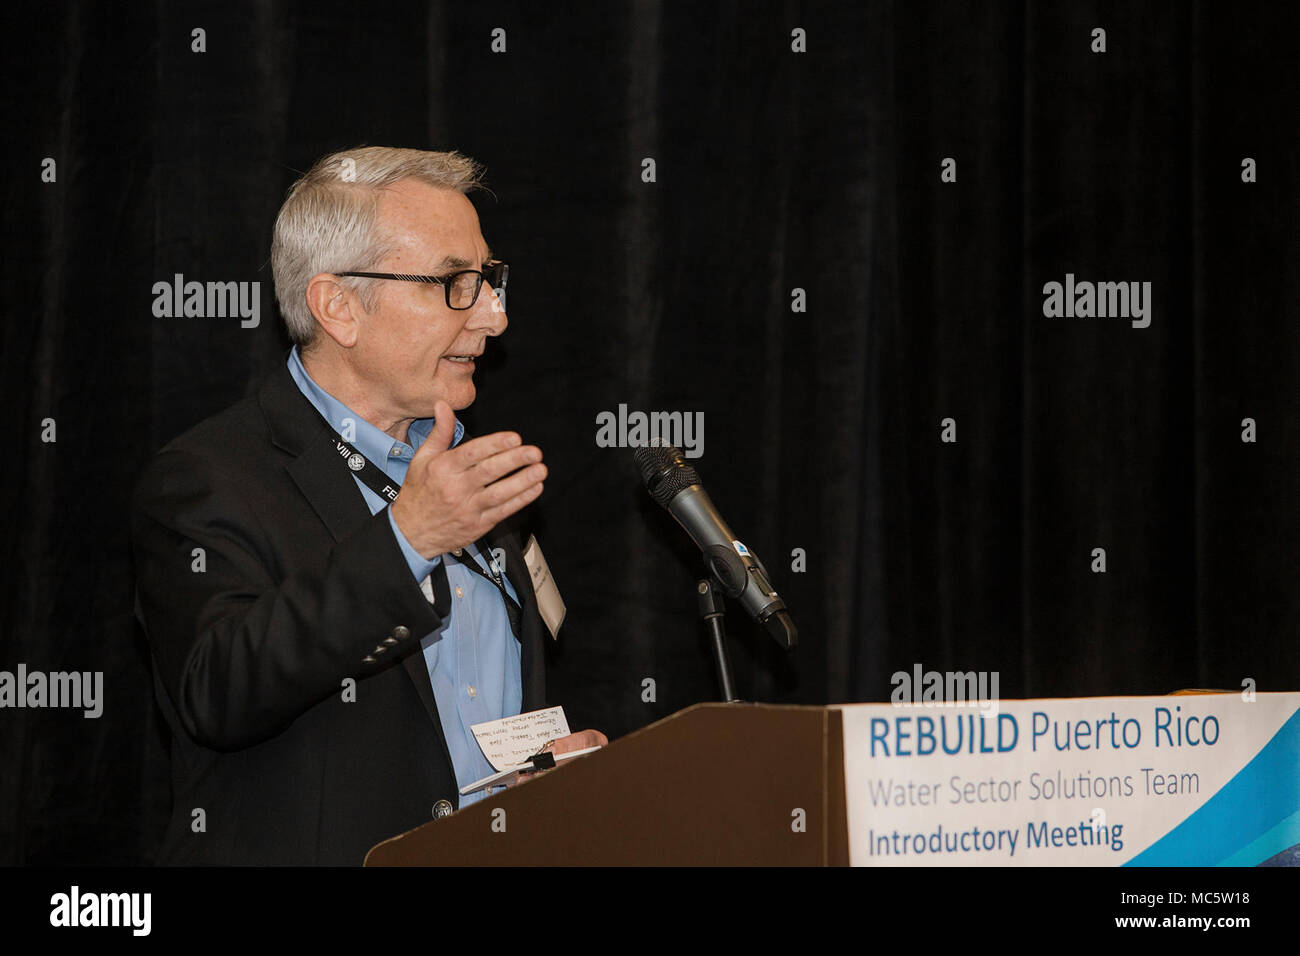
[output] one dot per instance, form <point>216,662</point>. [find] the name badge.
<point>549,603</point>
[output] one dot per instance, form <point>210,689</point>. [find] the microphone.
<point>739,573</point>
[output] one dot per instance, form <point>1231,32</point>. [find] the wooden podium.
<point>712,785</point>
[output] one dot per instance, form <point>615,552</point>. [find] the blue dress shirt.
<point>473,658</point>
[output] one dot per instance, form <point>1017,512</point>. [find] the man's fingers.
<point>505,489</point>
<point>582,740</point>
<point>470,453</point>
<point>503,463</point>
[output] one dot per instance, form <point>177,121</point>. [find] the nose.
<point>489,313</point>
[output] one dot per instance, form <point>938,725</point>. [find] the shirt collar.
<point>369,440</point>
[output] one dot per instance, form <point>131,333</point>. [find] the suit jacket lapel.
<point>330,490</point>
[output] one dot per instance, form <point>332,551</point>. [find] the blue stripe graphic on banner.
<point>1251,810</point>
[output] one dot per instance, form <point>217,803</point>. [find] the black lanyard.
<point>377,480</point>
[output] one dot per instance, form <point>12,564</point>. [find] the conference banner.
<point>1185,780</point>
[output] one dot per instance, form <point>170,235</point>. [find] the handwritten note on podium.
<point>510,741</point>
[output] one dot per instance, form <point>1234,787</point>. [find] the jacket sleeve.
<point>244,648</point>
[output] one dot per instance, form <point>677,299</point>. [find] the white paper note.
<point>510,741</point>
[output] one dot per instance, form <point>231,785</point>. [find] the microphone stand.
<point>711,612</point>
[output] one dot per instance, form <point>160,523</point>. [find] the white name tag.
<point>549,603</point>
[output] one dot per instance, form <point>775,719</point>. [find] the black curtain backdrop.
<point>775,171</point>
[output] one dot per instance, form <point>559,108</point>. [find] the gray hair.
<point>328,222</point>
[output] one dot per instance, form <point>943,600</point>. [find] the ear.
<point>336,309</point>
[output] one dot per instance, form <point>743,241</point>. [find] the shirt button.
<point>460,591</point>
<point>472,691</point>
<point>397,451</point>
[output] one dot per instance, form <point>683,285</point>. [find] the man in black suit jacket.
<point>284,617</point>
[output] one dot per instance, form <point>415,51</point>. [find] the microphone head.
<point>665,472</point>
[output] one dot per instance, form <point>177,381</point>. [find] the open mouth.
<point>460,359</point>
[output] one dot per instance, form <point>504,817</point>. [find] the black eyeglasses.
<point>461,288</point>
